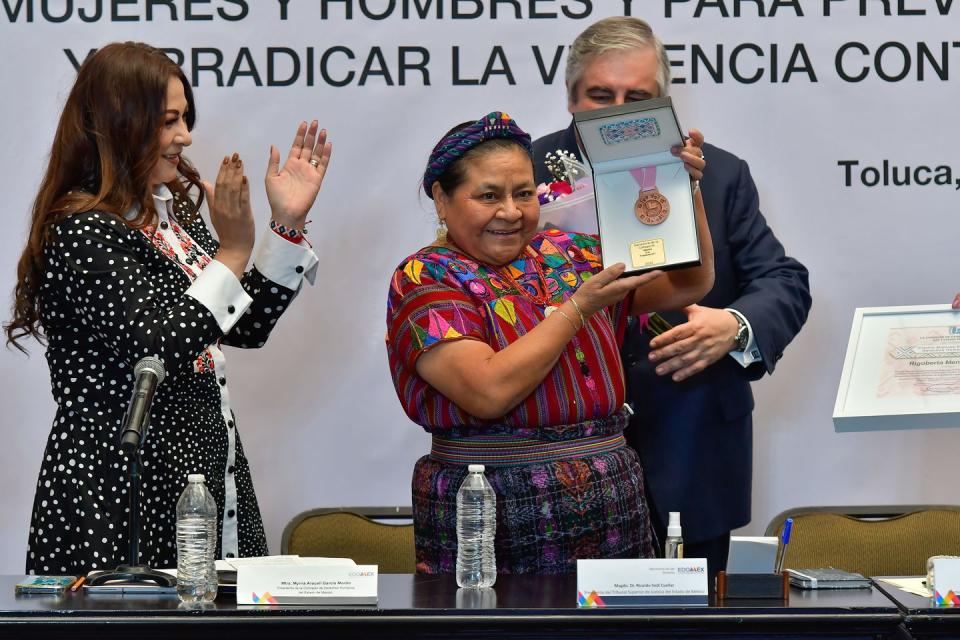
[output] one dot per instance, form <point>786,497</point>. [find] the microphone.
<point>149,373</point>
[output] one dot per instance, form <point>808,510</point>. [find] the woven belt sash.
<point>509,451</point>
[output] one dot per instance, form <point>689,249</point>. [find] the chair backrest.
<point>364,534</point>
<point>891,540</point>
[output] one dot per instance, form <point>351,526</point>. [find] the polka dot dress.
<point>112,295</point>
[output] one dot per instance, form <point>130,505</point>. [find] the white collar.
<point>163,199</point>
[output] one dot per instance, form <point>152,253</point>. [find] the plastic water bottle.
<point>476,598</point>
<point>196,543</point>
<point>476,528</point>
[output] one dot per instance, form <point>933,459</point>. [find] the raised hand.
<point>292,189</point>
<point>692,154</point>
<point>231,215</point>
<point>607,288</point>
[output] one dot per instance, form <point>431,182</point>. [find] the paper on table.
<point>236,563</point>
<point>752,554</point>
<point>916,586</point>
<point>323,562</point>
<point>219,565</point>
<point>759,539</point>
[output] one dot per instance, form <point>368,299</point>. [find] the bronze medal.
<point>652,207</point>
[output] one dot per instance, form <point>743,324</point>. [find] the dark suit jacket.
<point>695,437</point>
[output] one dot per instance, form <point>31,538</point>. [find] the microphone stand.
<point>134,572</point>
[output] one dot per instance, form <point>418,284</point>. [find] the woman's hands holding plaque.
<point>607,288</point>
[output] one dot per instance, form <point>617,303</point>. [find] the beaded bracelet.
<point>287,232</point>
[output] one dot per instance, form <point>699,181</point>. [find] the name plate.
<point>297,584</point>
<point>946,582</point>
<point>629,583</point>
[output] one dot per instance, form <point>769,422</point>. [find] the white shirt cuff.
<point>219,290</point>
<point>284,262</point>
<point>751,354</point>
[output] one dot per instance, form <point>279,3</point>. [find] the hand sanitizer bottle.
<point>673,547</point>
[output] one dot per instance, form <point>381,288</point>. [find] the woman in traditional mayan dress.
<point>504,344</point>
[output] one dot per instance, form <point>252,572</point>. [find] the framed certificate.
<point>644,201</point>
<point>901,371</point>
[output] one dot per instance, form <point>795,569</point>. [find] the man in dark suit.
<point>690,386</point>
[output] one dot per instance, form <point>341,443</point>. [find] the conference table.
<point>919,618</point>
<point>414,606</point>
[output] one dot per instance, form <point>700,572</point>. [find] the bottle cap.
<point>673,528</point>
<point>476,468</point>
<point>195,477</point>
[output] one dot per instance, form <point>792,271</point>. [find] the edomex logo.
<point>690,570</point>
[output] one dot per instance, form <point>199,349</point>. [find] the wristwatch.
<point>742,337</point>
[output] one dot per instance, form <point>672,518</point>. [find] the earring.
<point>441,231</point>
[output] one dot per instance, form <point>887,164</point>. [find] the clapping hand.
<point>231,215</point>
<point>292,189</point>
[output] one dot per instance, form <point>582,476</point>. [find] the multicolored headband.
<point>494,125</point>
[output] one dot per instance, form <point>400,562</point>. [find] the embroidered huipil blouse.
<point>439,294</point>
<point>112,295</point>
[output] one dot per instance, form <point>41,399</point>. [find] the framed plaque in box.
<point>901,371</point>
<point>644,200</point>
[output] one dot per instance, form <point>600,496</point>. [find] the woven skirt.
<point>549,514</point>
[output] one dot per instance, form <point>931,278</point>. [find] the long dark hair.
<point>106,145</point>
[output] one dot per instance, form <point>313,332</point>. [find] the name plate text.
<point>627,583</point>
<point>297,584</point>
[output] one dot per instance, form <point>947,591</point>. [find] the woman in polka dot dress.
<point>118,266</point>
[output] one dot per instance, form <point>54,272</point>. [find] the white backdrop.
<point>319,418</point>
